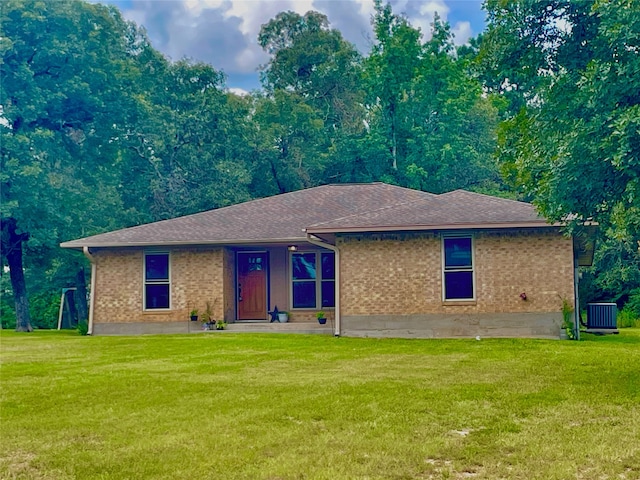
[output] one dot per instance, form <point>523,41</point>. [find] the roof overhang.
<point>185,243</point>
<point>453,226</point>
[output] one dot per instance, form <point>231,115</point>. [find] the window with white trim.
<point>313,280</point>
<point>457,268</point>
<point>157,285</point>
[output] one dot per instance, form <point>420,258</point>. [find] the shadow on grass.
<point>626,336</point>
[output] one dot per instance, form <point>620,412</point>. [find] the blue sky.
<point>224,33</point>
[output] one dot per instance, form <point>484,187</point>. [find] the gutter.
<point>576,297</point>
<point>436,227</point>
<point>78,244</point>
<point>316,241</point>
<point>92,296</point>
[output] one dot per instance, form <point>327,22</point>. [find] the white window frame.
<point>155,282</point>
<point>318,280</point>
<point>471,269</point>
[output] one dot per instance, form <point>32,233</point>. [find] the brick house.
<point>380,260</point>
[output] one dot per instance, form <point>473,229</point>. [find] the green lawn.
<point>240,406</point>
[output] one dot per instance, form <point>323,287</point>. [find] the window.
<point>156,281</point>
<point>313,280</point>
<point>458,268</point>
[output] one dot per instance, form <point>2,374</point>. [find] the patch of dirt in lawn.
<point>23,465</point>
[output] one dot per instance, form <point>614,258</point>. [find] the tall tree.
<point>314,73</point>
<point>65,66</point>
<point>426,110</point>
<point>390,70</point>
<point>288,139</point>
<point>574,144</point>
<point>181,151</point>
<point>571,72</point>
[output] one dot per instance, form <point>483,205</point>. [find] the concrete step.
<point>276,327</point>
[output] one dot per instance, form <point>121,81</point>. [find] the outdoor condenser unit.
<point>602,315</point>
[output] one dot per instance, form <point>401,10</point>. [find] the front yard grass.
<point>241,406</point>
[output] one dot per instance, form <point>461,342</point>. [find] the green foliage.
<point>83,328</point>
<point>44,308</point>
<point>568,319</point>
<point>7,306</point>
<point>427,117</point>
<point>569,71</point>
<point>312,105</point>
<point>221,325</point>
<point>67,74</point>
<point>627,318</point>
<point>571,143</point>
<point>633,305</point>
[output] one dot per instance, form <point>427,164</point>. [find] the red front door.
<point>252,286</point>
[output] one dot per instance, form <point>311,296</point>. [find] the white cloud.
<point>430,8</point>
<point>238,91</point>
<point>224,32</point>
<point>461,33</point>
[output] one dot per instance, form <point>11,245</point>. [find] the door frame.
<point>267,270</point>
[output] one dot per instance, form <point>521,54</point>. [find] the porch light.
<point>292,248</point>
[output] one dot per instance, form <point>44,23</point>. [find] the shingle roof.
<point>328,208</point>
<point>278,218</point>
<point>457,209</point>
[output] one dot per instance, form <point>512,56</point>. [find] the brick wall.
<point>229,285</point>
<point>196,277</point>
<point>402,274</point>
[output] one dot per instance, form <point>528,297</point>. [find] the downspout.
<point>576,296</point>
<point>316,241</point>
<point>92,295</point>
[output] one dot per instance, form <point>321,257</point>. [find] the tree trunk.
<point>81,285</point>
<point>12,251</point>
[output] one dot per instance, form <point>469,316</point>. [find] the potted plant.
<point>207,318</point>
<point>283,317</point>
<point>221,325</point>
<point>194,315</point>
<point>321,318</point>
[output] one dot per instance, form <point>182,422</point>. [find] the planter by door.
<point>283,317</point>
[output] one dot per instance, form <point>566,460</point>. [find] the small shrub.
<point>44,308</point>
<point>83,328</point>
<point>567,318</point>
<point>627,318</point>
<point>633,305</point>
<point>7,314</point>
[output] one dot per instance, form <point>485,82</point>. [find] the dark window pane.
<point>328,266</point>
<point>304,295</point>
<point>328,294</point>
<point>255,263</point>
<point>303,266</point>
<point>457,252</point>
<point>458,285</point>
<point>157,296</point>
<point>157,267</point>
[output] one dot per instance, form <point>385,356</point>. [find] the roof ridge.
<point>493,197</point>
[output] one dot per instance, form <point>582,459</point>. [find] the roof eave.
<point>180,243</point>
<point>452,226</point>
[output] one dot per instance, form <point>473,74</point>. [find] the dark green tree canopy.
<point>571,144</point>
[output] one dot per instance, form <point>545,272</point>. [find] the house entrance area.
<point>252,268</point>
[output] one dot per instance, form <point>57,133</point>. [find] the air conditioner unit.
<point>602,315</point>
